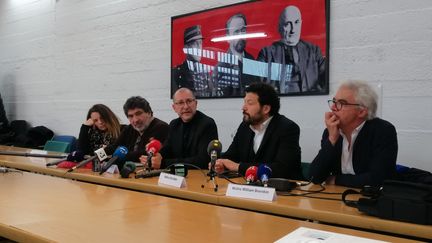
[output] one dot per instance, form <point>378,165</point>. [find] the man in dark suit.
<point>301,64</point>
<point>189,134</point>
<point>229,78</point>
<point>357,148</point>
<point>264,137</point>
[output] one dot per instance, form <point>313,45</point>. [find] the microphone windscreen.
<point>179,169</point>
<point>75,156</point>
<point>214,145</point>
<point>153,146</point>
<point>264,172</point>
<point>127,169</point>
<point>251,174</point>
<point>120,153</point>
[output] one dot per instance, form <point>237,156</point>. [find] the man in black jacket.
<point>264,137</point>
<point>357,148</point>
<point>189,134</point>
<point>143,127</point>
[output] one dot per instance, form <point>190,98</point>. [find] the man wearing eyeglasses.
<point>189,134</point>
<point>357,148</point>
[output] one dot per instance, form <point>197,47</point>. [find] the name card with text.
<point>171,180</point>
<point>251,192</point>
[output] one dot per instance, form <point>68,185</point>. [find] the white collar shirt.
<point>259,133</point>
<point>347,150</point>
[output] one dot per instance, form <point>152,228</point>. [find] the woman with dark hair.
<point>101,128</point>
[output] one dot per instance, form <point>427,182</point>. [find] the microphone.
<point>175,169</point>
<point>251,174</point>
<point>118,156</point>
<point>152,148</point>
<point>84,162</point>
<point>214,150</point>
<point>264,173</point>
<point>127,169</point>
<point>56,162</point>
<point>74,156</point>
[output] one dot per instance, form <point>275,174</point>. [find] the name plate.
<point>171,180</point>
<point>41,152</point>
<point>251,192</point>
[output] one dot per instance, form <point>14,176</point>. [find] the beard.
<point>240,46</point>
<point>253,120</point>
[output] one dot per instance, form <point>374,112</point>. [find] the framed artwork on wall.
<point>218,52</point>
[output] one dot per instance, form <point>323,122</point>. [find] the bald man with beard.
<point>189,134</point>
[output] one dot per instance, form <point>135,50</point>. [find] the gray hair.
<point>364,95</point>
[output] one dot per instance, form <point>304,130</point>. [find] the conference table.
<point>199,189</point>
<point>40,208</point>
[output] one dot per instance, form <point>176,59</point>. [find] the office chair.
<point>57,146</point>
<point>71,140</point>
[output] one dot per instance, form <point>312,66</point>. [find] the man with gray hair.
<point>357,148</point>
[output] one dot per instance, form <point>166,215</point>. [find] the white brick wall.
<point>57,58</point>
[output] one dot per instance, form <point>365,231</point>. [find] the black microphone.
<point>175,169</point>
<point>74,156</point>
<point>55,162</point>
<point>82,163</point>
<point>118,156</point>
<point>150,173</point>
<point>214,150</point>
<point>127,169</point>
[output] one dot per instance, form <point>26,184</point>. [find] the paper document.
<point>307,235</point>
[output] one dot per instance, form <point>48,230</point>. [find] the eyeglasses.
<point>338,104</point>
<point>183,102</point>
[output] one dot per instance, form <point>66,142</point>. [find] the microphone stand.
<point>212,172</point>
<point>149,161</point>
